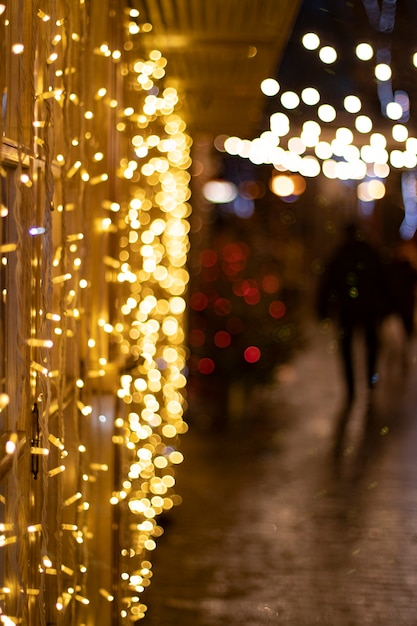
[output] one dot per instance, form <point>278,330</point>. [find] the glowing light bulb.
<point>383,72</point>
<point>364,51</point>
<point>311,41</point>
<point>270,87</point>
<point>328,55</point>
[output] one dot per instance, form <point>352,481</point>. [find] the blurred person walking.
<point>402,277</point>
<point>353,293</point>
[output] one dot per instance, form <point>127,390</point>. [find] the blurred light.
<point>279,124</point>
<point>329,168</point>
<point>206,366</point>
<point>399,132</point>
<point>362,192</point>
<point>310,96</point>
<point>323,150</point>
<point>364,51</point>
<point>378,141</point>
<point>290,100</point>
<point>344,135</point>
<point>296,145</point>
<point>270,87</point>
<point>326,112</point>
<point>363,124</point>
<point>232,145</point>
<point>310,166</point>
<point>411,144</point>
<point>311,41</point>
<point>381,170</point>
<point>244,207</point>
<point>394,110</point>
<point>376,189</point>
<point>371,190</point>
<point>252,354</point>
<point>219,191</point>
<point>383,72</point>
<point>310,138</point>
<point>277,309</point>
<point>328,55</point>
<point>352,104</point>
<point>282,185</point>
<point>270,283</point>
<point>397,159</point>
<point>222,339</point>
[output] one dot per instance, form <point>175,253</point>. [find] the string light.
<point>108,281</point>
<point>358,160</point>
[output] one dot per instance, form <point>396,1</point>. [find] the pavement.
<point>299,512</point>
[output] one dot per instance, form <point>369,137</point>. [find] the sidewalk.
<point>275,528</point>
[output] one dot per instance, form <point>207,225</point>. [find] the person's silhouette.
<point>352,292</point>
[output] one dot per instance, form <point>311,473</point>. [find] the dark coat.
<point>353,289</point>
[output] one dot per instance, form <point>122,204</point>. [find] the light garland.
<point>355,156</point>
<point>104,189</point>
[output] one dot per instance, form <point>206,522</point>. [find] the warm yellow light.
<point>282,185</point>
<point>18,48</point>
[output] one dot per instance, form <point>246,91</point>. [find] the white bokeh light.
<point>323,150</point>
<point>270,87</point>
<point>326,112</point>
<point>400,132</point>
<point>344,135</point>
<point>383,72</point>
<point>310,96</point>
<point>311,41</point>
<point>290,100</point>
<point>364,51</point>
<point>279,124</point>
<point>352,104</point>
<point>327,55</point>
<point>394,110</point>
<point>363,124</point>
<point>219,191</point>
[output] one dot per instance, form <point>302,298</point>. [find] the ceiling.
<point>218,53</point>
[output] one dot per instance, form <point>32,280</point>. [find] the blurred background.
<point>302,118</point>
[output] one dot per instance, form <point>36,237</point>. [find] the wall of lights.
<point>94,242</point>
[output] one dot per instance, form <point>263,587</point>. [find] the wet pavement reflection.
<point>303,513</point>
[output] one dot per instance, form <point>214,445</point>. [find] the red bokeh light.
<point>253,297</point>
<point>222,306</point>
<point>198,301</point>
<point>208,257</point>
<point>222,339</point>
<point>233,252</point>
<point>277,309</point>
<point>252,354</point>
<point>270,283</point>
<point>196,338</point>
<point>206,366</point>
